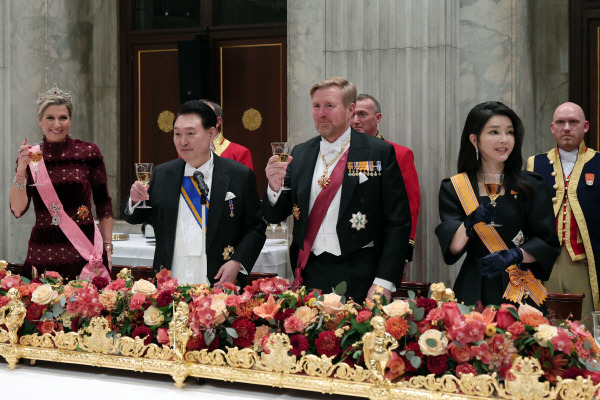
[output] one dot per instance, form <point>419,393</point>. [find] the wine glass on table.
<point>143,172</point>
<point>493,187</point>
<point>281,149</point>
<point>36,157</point>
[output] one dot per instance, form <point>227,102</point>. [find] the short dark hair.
<point>201,109</point>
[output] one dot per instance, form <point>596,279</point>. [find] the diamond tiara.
<point>54,91</point>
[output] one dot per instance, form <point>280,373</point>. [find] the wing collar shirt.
<point>189,255</point>
<point>567,160</point>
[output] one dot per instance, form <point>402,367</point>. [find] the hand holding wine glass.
<point>36,157</point>
<point>277,165</point>
<point>143,172</point>
<point>493,187</point>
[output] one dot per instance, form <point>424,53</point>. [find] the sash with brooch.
<point>191,194</point>
<point>522,283</point>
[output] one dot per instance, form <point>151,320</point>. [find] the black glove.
<point>484,213</point>
<point>494,263</point>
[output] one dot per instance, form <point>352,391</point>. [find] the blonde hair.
<point>347,87</point>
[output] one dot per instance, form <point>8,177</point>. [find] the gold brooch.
<point>83,212</point>
<point>227,253</point>
<point>296,212</point>
<point>515,194</point>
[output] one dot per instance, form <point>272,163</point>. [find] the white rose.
<point>143,287</point>
<point>44,294</point>
<point>153,316</point>
<point>433,342</point>
<point>332,303</point>
<point>545,333</point>
<point>397,308</point>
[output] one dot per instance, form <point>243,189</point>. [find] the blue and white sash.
<point>191,194</point>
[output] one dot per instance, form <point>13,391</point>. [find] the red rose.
<point>194,342</point>
<point>328,344</point>
<point>100,282</point>
<point>437,364</point>
<point>35,312</point>
<point>505,372</point>
<point>465,369</point>
<point>427,304</point>
<point>3,299</point>
<point>451,311</point>
<point>461,354</point>
<point>299,344</point>
<point>143,332</point>
<point>164,298</point>
<point>2,273</point>
<point>245,330</point>
<point>45,326</point>
<point>504,318</point>
<point>200,343</point>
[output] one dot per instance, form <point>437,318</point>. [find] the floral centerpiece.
<point>434,338</point>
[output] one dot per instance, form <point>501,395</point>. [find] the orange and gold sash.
<point>522,283</point>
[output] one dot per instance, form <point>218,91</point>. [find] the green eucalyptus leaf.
<point>419,313</point>
<point>412,328</point>
<point>231,332</point>
<point>341,288</point>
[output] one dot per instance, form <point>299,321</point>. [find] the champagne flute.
<point>273,227</point>
<point>35,159</point>
<point>144,173</point>
<point>281,149</point>
<point>493,187</point>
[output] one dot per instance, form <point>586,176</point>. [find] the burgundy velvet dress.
<point>76,169</point>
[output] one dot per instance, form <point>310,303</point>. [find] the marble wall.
<point>73,43</point>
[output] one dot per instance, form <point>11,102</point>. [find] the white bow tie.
<point>327,147</point>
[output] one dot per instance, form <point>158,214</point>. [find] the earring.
<point>477,153</point>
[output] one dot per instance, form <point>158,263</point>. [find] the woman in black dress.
<point>491,144</point>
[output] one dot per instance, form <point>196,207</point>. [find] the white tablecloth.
<point>139,251</point>
<point>49,381</point>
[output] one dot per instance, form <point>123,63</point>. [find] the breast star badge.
<point>296,212</point>
<point>359,221</point>
<point>227,253</point>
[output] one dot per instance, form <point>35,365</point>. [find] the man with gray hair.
<point>366,118</point>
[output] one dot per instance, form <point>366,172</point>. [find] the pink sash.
<point>317,215</point>
<point>90,252</point>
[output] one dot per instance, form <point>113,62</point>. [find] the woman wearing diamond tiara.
<point>61,176</point>
<point>517,234</point>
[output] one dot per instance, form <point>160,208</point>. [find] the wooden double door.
<point>243,70</point>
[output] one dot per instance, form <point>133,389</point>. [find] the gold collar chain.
<point>324,180</point>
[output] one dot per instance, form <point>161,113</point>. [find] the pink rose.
<point>162,336</point>
<point>51,274</point>
<point>293,324</point>
<point>451,311</point>
<point>504,318</point>
<point>116,285</point>
<point>436,314</point>
<point>461,354</point>
<point>363,315</point>
<point>516,328</point>
<point>137,301</point>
